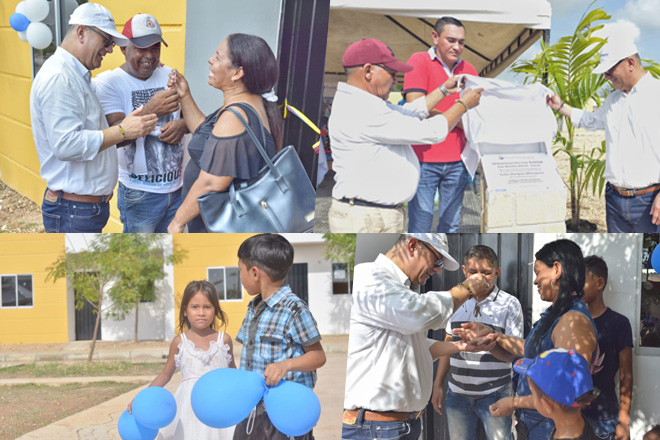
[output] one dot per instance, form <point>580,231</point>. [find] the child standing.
<point>560,381</point>
<point>197,349</point>
<point>279,335</point>
<point>609,415</point>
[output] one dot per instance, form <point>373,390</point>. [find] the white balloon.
<point>23,35</point>
<point>36,10</point>
<point>39,35</point>
<point>20,7</point>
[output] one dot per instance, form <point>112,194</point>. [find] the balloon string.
<point>250,422</point>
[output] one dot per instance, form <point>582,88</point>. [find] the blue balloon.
<point>293,408</point>
<point>19,22</point>
<point>655,259</point>
<point>154,407</point>
<point>221,398</point>
<point>130,429</point>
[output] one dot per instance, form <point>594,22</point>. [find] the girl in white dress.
<point>197,349</point>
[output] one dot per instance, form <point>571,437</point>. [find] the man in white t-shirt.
<point>150,167</point>
<point>477,380</point>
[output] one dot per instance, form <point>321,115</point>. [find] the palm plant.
<point>566,68</point>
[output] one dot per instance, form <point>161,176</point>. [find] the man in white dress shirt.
<point>76,148</point>
<point>377,170</point>
<point>630,117</point>
<point>389,372</point>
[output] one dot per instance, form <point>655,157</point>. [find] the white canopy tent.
<point>497,31</point>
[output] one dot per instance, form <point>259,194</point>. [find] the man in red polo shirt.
<point>441,166</point>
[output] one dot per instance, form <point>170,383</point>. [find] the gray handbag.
<point>280,199</point>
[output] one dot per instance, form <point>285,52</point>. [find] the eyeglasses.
<point>440,260</point>
<point>611,69</point>
<point>108,41</point>
<point>390,72</point>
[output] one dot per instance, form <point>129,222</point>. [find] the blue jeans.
<point>629,214</point>
<point>450,180</point>
<point>368,430</point>
<point>539,427</point>
<point>604,429</point>
<point>463,412</point>
<point>143,211</point>
<point>69,216</point>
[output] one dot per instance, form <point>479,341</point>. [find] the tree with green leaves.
<point>123,267</point>
<point>566,68</point>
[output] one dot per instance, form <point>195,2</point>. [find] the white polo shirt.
<point>389,365</point>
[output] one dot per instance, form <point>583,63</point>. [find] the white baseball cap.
<point>439,242</point>
<point>143,30</point>
<point>615,50</point>
<point>95,15</point>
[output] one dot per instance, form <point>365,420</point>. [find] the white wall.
<point>623,253</point>
<point>155,319</point>
<point>332,312</point>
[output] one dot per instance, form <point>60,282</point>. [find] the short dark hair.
<point>597,266</point>
<point>655,430</point>
<point>482,252</point>
<point>444,21</point>
<point>271,253</point>
<point>207,289</point>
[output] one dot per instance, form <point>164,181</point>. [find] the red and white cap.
<point>143,30</point>
<point>369,50</point>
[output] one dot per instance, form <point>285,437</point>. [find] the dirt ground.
<point>24,408</point>
<point>80,346</point>
<point>20,214</point>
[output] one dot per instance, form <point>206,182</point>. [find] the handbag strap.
<point>278,176</point>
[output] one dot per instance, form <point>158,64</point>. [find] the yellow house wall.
<point>19,165</point>
<point>204,251</point>
<point>46,321</point>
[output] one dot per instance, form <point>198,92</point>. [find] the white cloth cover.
<point>513,116</point>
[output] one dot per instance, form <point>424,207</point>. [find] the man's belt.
<point>360,202</point>
<point>631,192</point>
<point>52,197</point>
<point>351,415</point>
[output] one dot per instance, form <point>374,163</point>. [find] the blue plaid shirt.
<point>277,329</point>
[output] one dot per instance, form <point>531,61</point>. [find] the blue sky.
<point>640,18</point>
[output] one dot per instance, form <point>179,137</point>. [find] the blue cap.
<point>563,375</point>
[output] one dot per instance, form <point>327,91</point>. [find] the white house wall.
<point>623,253</point>
<point>332,312</point>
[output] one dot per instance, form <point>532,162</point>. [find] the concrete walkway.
<point>100,422</point>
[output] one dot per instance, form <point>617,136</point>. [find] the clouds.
<point>644,13</point>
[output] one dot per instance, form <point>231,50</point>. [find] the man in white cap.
<point>376,168</point>
<point>389,373</point>
<point>150,167</point>
<point>630,117</point>
<point>76,148</point>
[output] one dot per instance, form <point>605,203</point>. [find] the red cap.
<point>373,51</point>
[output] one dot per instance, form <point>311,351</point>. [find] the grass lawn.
<point>81,369</point>
<point>24,408</point>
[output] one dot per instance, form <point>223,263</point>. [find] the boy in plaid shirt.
<point>279,334</point>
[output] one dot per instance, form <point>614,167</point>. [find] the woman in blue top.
<point>567,323</point>
<point>244,68</point>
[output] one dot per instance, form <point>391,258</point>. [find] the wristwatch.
<point>443,89</point>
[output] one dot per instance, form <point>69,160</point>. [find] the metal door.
<point>297,279</point>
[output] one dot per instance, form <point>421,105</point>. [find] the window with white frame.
<point>227,282</point>
<point>16,291</point>
<point>649,300</point>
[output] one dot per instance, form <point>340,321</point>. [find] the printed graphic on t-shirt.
<point>163,161</point>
